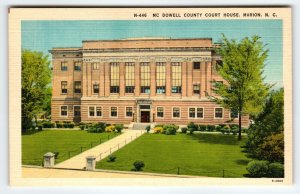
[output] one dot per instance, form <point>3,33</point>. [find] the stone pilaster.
<point>168,79</point>
<point>137,79</point>
<point>152,78</point>
<point>122,79</point>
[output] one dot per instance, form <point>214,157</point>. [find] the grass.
<point>35,145</point>
<point>197,154</point>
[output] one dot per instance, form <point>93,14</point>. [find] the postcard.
<point>150,96</point>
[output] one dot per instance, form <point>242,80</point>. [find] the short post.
<point>108,137</point>
<point>100,141</point>
<point>91,144</point>
<point>49,160</point>
<point>69,154</point>
<point>90,163</point>
<point>80,149</point>
<point>223,173</point>
<point>178,170</point>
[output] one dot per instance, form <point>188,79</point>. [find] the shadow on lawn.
<point>31,132</point>
<point>216,139</point>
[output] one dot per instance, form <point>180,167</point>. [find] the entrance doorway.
<point>145,116</point>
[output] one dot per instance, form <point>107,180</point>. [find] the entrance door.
<point>145,116</point>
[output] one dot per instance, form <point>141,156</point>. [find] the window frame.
<point>110,111</point>
<point>95,111</point>
<point>215,113</point>
<point>143,87</point>
<point>65,67</point>
<point>95,66</point>
<point>60,111</point>
<point>173,112</point>
<point>94,84</point>
<point>77,88</point>
<point>76,66</point>
<point>198,90</point>
<point>126,111</point>
<point>114,90</point>
<point>61,88</point>
<point>131,87</point>
<point>163,112</point>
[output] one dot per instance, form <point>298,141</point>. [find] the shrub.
<point>59,125</point>
<point>48,125</point>
<point>110,128</point>
<point>170,129</point>
<point>183,130</point>
<point>119,127</point>
<point>226,130</point>
<point>202,127</point>
<point>68,124</point>
<point>234,131</point>
<point>111,158</point>
<point>82,127</point>
<point>138,165</point>
<point>234,126</point>
<point>40,127</point>
<point>159,125</point>
<point>96,127</point>
<point>148,128</point>
<point>210,127</point>
<point>56,154</point>
<point>222,125</point>
<point>257,168</point>
<point>276,170</point>
<point>192,126</point>
<point>218,128</point>
<point>158,130</point>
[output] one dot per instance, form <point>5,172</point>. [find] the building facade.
<point>138,80</point>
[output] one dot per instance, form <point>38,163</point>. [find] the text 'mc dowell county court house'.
<point>138,80</point>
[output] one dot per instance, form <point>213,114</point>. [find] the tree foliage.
<point>36,78</point>
<point>244,90</point>
<point>266,134</point>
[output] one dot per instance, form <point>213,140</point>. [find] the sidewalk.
<point>102,150</point>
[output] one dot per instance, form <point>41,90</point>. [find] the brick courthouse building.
<point>138,80</point>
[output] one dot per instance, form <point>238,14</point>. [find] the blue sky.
<point>44,35</point>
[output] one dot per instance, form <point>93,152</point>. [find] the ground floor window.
<point>160,112</point>
<point>129,89</point>
<point>128,111</point>
<point>64,111</point>
<point>98,111</point>
<point>195,112</point>
<point>176,112</point>
<point>234,114</point>
<point>200,113</point>
<point>113,111</point>
<point>91,111</point>
<point>77,111</point>
<point>218,113</point>
<point>192,112</point>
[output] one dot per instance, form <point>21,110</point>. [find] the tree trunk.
<point>240,125</point>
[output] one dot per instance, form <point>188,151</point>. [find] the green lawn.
<point>35,145</point>
<point>198,154</point>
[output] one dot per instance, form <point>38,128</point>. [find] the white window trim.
<point>126,111</point>
<point>74,110</point>
<point>215,113</point>
<point>95,112</point>
<point>179,112</point>
<point>163,112</point>
<point>195,113</point>
<point>110,112</point>
<point>67,111</point>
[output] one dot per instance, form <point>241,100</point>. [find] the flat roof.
<point>146,39</point>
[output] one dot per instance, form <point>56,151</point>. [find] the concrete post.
<point>49,160</point>
<point>90,163</point>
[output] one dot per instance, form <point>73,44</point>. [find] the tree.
<point>36,78</point>
<point>264,134</point>
<point>244,90</point>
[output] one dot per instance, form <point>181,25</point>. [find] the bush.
<point>234,131</point>
<point>96,127</point>
<point>82,127</point>
<point>192,126</point>
<point>110,128</point>
<point>111,158</point>
<point>148,128</point>
<point>210,127</point>
<point>276,170</point>
<point>218,128</point>
<point>170,129</point>
<point>222,125</point>
<point>234,126</point>
<point>68,124</point>
<point>59,125</point>
<point>40,127</point>
<point>56,154</point>
<point>138,165</point>
<point>183,130</point>
<point>158,130</point>
<point>48,125</point>
<point>226,130</point>
<point>202,127</point>
<point>257,168</point>
<point>119,127</point>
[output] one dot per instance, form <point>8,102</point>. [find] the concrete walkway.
<point>102,150</point>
